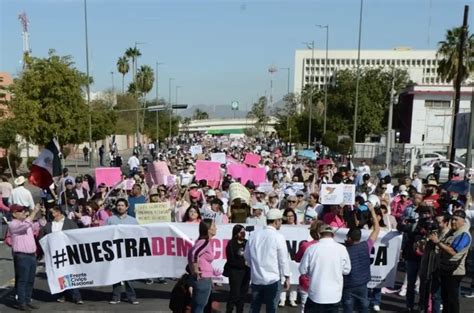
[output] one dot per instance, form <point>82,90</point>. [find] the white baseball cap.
<point>274,214</point>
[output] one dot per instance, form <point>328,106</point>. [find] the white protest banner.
<point>148,213</point>
<point>219,157</point>
<point>196,150</point>
<point>102,256</point>
<point>337,194</point>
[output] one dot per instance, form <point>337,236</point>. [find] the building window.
<point>437,104</point>
<point>307,61</point>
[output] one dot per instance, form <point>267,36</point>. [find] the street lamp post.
<point>170,108</point>
<point>134,70</point>
<point>310,45</point>
<point>176,94</point>
<point>325,76</point>
<point>356,104</point>
<point>287,93</point>
<point>157,103</point>
<point>88,84</point>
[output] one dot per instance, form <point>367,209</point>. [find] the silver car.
<point>426,170</point>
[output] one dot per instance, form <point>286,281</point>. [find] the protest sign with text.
<point>148,213</point>
<point>337,194</point>
<point>108,175</point>
<point>97,256</point>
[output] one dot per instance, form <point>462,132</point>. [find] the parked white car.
<point>426,157</point>
<point>426,170</point>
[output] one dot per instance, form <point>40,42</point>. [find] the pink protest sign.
<point>236,170</point>
<point>208,170</point>
<point>252,159</point>
<point>128,184</point>
<point>157,171</point>
<point>108,175</point>
<point>257,175</point>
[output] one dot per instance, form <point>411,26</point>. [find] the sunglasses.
<point>291,201</point>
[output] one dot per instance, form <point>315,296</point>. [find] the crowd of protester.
<point>435,224</point>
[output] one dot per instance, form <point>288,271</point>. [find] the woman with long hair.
<point>192,215</point>
<point>289,217</point>
<point>236,270</point>
<point>200,259</point>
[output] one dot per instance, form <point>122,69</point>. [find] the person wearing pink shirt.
<point>200,259</point>
<point>24,254</point>
<point>335,218</point>
<point>399,204</point>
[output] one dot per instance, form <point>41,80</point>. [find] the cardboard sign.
<point>208,170</point>
<point>236,170</point>
<point>108,175</point>
<point>148,213</point>
<point>309,154</point>
<point>157,170</point>
<point>195,150</point>
<point>252,159</point>
<point>170,180</point>
<point>267,187</point>
<point>128,184</point>
<point>257,175</point>
<point>218,157</point>
<point>237,191</point>
<point>337,194</point>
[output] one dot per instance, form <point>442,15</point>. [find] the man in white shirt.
<point>325,263</point>
<point>417,183</point>
<point>186,176</point>
<point>267,256</point>
<point>20,195</point>
<point>133,163</point>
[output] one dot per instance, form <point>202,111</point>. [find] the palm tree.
<point>144,82</point>
<point>123,67</point>
<point>133,54</point>
<point>448,50</point>
<point>200,115</point>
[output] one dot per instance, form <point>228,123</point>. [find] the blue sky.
<point>218,51</point>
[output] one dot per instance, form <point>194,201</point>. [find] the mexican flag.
<point>46,166</point>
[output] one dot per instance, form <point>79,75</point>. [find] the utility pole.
<point>356,104</point>
<point>325,77</point>
<point>88,88</point>
<point>157,103</point>
<point>457,87</point>
<point>287,94</point>
<point>388,155</point>
<point>170,108</point>
<point>469,139</point>
<point>310,101</point>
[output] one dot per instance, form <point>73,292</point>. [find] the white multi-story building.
<point>421,65</point>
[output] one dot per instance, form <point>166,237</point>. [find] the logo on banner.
<point>74,280</point>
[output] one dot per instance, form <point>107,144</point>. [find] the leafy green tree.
<point>126,104</point>
<point>164,121</point>
<point>49,101</point>
<point>259,113</point>
<point>344,146</point>
<point>104,119</point>
<point>123,67</point>
<point>448,52</point>
<point>200,115</point>
<point>330,140</point>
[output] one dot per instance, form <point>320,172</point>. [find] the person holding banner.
<point>200,258</point>
<point>122,218</point>
<point>268,259</point>
<point>237,270</point>
<point>58,224</point>
<point>355,292</point>
<point>23,246</point>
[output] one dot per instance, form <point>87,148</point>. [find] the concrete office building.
<point>420,64</point>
